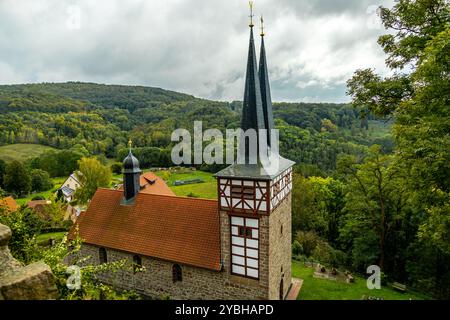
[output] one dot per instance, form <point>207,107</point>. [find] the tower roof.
<point>257,114</point>
<point>265,91</point>
<point>131,164</point>
<point>252,112</point>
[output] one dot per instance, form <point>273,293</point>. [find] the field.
<point>207,189</point>
<point>45,237</point>
<point>22,151</point>
<point>321,289</point>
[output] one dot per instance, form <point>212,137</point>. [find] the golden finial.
<point>130,143</point>
<point>251,13</point>
<point>262,26</point>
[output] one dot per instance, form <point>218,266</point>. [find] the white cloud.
<point>193,46</point>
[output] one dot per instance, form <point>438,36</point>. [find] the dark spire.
<point>252,112</point>
<point>131,176</point>
<point>265,88</point>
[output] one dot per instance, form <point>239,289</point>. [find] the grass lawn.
<point>206,190</point>
<point>45,237</point>
<point>321,289</point>
<point>22,151</point>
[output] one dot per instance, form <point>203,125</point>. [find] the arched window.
<point>177,274</point>
<point>102,256</point>
<point>137,263</point>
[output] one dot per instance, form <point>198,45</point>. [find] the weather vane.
<point>251,14</point>
<point>262,26</point>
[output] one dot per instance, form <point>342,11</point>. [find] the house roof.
<point>36,203</point>
<point>256,171</point>
<point>9,203</point>
<point>74,177</point>
<point>40,207</point>
<point>67,192</point>
<point>182,230</point>
<point>152,184</point>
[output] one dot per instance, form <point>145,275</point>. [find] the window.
<point>245,232</point>
<point>177,274</point>
<point>245,192</point>
<point>137,263</point>
<point>281,230</point>
<point>245,247</point>
<point>102,256</point>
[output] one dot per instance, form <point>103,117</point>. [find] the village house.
<point>69,187</point>
<point>235,247</point>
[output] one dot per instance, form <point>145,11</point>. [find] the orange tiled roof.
<point>183,230</point>
<point>37,203</point>
<point>9,203</point>
<point>159,187</point>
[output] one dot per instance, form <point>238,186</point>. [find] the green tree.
<point>17,178</point>
<point>92,175</point>
<point>116,168</point>
<point>418,100</point>
<point>376,201</point>
<point>24,224</point>
<point>57,163</point>
<point>40,180</point>
<point>316,206</point>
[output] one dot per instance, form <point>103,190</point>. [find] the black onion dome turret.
<point>131,164</point>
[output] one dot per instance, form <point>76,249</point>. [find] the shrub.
<point>116,168</point>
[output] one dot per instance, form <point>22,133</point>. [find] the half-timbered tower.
<point>255,202</point>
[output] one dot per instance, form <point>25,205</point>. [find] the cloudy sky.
<point>193,46</point>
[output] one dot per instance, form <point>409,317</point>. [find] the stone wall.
<point>156,281</point>
<point>32,282</point>
<point>280,254</point>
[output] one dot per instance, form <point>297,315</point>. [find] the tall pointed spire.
<point>265,88</point>
<point>252,113</point>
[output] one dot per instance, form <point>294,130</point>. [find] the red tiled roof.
<point>158,187</point>
<point>36,203</point>
<point>183,230</point>
<point>9,203</point>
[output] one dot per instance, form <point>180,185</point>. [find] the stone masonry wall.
<point>280,254</point>
<point>156,282</point>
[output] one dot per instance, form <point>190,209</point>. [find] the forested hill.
<point>98,119</point>
<point>107,96</point>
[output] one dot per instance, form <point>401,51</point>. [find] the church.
<point>235,247</point>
